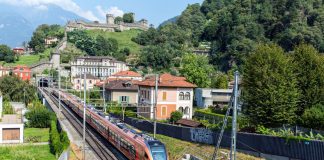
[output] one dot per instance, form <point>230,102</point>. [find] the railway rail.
<point>103,149</point>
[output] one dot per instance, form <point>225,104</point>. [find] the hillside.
<point>29,60</point>
<point>124,38</point>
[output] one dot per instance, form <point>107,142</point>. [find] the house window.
<point>78,81</point>
<point>164,96</point>
<point>90,81</point>
<point>124,98</point>
<point>181,96</point>
<point>187,110</point>
<point>180,109</point>
<point>164,111</point>
<point>187,96</point>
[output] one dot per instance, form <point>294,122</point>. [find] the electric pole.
<point>104,97</point>
<point>84,113</point>
<point>234,129</point>
<point>59,85</point>
<point>155,103</point>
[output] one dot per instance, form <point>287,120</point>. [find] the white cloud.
<point>41,7</point>
<point>1,26</point>
<point>68,5</point>
<point>112,10</point>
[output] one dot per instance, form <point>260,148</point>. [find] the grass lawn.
<point>29,152</point>
<point>43,133</point>
<point>177,148</point>
<point>124,38</point>
<point>30,59</point>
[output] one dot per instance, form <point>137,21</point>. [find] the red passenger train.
<point>133,144</point>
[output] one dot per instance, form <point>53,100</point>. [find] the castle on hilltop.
<point>110,25</point>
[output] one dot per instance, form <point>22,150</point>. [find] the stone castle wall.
<point>109,26</point>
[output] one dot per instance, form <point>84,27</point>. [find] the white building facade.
<point>99,66</point>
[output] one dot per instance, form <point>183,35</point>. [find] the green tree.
<point>70,53</point>
<point>118,20</point>
<point>220,81</point>
<point>309,69</point>
<point>193,21</point>
<point>128,18</point>
<point>175,116</point>
<point>15,89</point>
<point>157,57</point>
<point>43,31</point>
<point>6,54</point>
<point>196,69</point>
<point>105,46</point>
<point>313,117</point>
<point>270,87</point>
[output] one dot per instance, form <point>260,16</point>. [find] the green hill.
<point>124,38</point>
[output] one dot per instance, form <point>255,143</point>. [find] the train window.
<point>132,150</point>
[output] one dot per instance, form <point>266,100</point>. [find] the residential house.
<point>99,66</point>
<point>78,81</point>
<point>206,97</point>
<point>4,71</point>
<point>22,72</point>
<point>51,40</point>
<point>122,91</point>
<point>19,50</point>
<point>174,94</point>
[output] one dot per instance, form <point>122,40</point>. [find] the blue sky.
<point>155,11</point>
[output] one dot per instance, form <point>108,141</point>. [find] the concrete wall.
<point>21,128</point>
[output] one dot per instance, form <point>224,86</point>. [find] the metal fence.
<point>261,144</point>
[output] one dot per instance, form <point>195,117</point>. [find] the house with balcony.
<point>206,97</point>
<point>174,94</point>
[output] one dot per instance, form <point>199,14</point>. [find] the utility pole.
<point>59,85</point>
<point>233,143</point>
<point>80,83</point>
<point>84,113</point>
<point>155,102</point>
<point>104,97</point>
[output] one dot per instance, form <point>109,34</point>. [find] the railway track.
<point>102,148</point>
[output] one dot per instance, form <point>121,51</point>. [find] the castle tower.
<point>144,22</point>
<point>110,19</point>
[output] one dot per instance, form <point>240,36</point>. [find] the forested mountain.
<point>235,27</point>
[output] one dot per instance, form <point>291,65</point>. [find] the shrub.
<point>59,141</point>
<point>211,117</point>
<point>7,108</point>
<point>175,116</point>
<point>314,117</point>
<point>39,117</point>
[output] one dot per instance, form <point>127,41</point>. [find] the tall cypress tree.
<point>269,87</point>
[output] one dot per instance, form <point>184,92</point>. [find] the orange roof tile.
<point>127,74</point>
<point>168,80</point>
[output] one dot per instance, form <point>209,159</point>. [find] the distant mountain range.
<point>171,20</point>
<point>18,23</point>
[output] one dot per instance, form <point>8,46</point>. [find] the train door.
<point>118,141</point>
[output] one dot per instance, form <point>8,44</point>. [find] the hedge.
<point>211,117</point>
<point>59,141</point>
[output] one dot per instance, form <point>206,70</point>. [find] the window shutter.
<point>120,99</point>
<point>127,99</point>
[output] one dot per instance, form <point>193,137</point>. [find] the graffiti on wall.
<point>201,135</point>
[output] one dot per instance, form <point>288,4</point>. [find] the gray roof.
<point>122,85</point>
